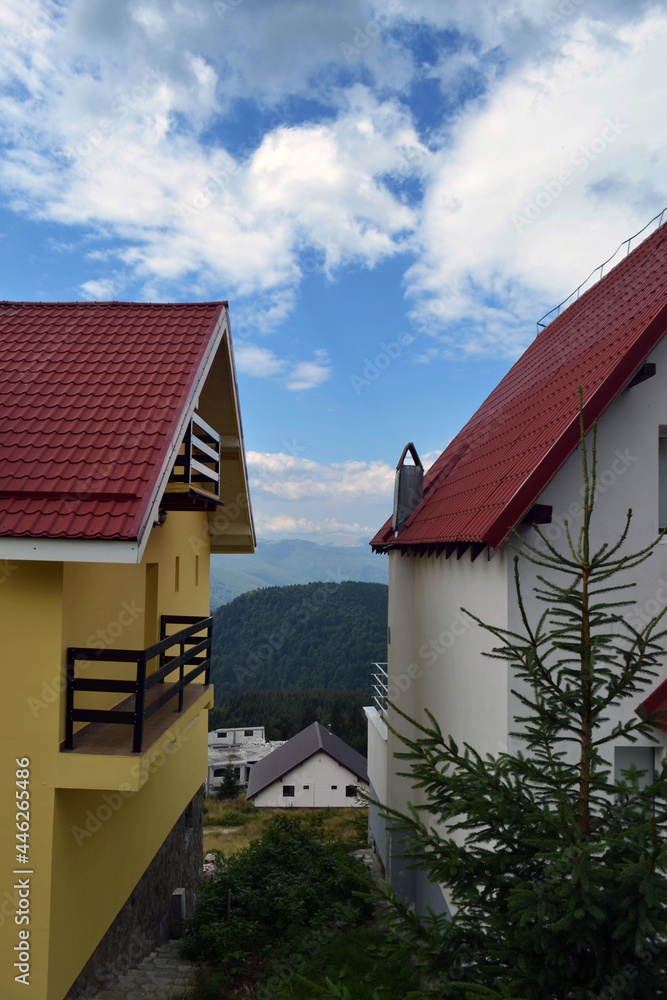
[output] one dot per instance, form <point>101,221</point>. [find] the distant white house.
<point>313,770</point>
<point>242,747</point>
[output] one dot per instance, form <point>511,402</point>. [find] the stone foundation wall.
<point>144,921</point>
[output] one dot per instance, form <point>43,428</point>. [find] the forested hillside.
<point>284,657</point>
<point>307,636</point>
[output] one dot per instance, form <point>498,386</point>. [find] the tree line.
<point>286,713</point>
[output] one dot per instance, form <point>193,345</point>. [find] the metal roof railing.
<point>599,271</point>
<point>380,688</point>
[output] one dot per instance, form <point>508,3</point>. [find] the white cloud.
<point>105,288</point>
<point>260,362</point>
<point>292,478</point>
<point>310,374</point>
<point>338,503</point>
<point>121,142</point>
<point>587,117</point>
<point>283,524</point>
<point>113,109</point>
<point>257,361</point>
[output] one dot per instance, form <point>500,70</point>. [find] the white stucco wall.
<point>435,656</point>
<point>627,477</point>
<point>377,752</point>
<point>320,773</point>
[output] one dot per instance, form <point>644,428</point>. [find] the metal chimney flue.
<point>408,488</point>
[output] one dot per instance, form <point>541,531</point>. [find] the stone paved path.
<point>161,975</point>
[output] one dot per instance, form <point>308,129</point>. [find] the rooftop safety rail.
<point>592,279</point>
<point>191,661</point>
<point>380,687</point>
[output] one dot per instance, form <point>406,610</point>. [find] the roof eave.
<point>150,506</point>
<point>84,550</point>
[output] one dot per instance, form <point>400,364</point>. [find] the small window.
<point>350,791</point>
<point>218,772</point>
<point>221,736</point>
<point>288,791</point>
<point>662,478</point>
<point>306,787</point>
<point>642,758</point>
<point>248,732</point>
<point>334,787</point>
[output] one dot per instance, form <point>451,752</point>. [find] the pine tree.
<point>555,870</point>
<point>229,786</point>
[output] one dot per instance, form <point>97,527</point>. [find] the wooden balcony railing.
<point>191,661</point>
<point>198,464</point>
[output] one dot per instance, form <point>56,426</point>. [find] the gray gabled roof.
<point>300,748</point>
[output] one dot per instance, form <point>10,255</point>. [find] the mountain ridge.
<point>292,561</point>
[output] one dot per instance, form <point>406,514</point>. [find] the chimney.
<point>408,488</point>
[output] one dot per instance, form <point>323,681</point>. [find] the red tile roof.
<point>92,396</point>
<point>494,470</point>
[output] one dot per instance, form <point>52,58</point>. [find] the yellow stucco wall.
<point>104,841</point>
<point>30,627</point>
<point>80,882</point>
<point>111,607</point>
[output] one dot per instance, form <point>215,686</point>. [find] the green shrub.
<point>292,879</point>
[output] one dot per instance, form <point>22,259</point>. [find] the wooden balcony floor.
<point>114,739</point>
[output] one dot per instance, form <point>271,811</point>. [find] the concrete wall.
<point>319,774</point>
<point>233,737</point>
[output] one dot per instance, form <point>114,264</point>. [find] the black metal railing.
<point>199,462</point>
<point>194,653</point>
<point>380,687</point>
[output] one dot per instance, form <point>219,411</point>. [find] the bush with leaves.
<point>293,879</point>
<point>555,870</point>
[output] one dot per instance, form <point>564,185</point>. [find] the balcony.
<point>168,687</point>
<point>195,479</point>
<point>380,688</point>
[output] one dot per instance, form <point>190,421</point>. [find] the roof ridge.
<point>110,302</point>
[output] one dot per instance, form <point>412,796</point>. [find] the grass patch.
<point>229,826</point>
<point>227,812</point>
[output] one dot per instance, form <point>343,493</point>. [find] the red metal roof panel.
<point>91,394</point>
<point>496,467</point>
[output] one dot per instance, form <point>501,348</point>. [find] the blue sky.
<point>389,195</point>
